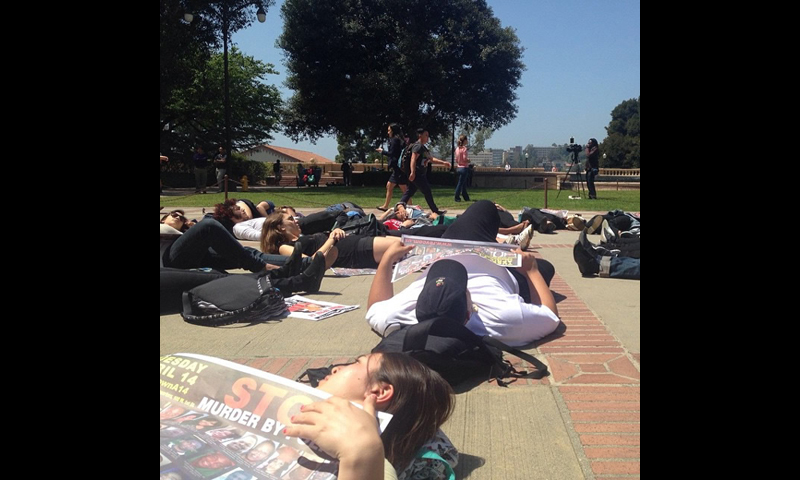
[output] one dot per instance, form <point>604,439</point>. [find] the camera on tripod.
<point>573,147</point>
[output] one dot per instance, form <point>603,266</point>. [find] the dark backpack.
<point>457,353</point>
<point>232,299</point>
<point>404,160</point>
<point>357,225</point>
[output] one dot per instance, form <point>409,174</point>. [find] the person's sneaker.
<point>524,238</point>
<point>593,226</point>
<point>607,234</point>
<point>588,264</point>
<point>457,199</point>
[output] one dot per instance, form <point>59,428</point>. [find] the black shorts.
<point>355,251</point>
<point>398,176</point>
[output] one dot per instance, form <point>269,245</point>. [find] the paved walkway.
<point>581,422</point>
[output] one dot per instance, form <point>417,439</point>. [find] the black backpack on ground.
<point>356,225</point>
<point>457,353</point>
<point>231,299</point>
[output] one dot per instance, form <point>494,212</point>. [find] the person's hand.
<point>379,149</point>
<point>412,176</point>
<point>341,429</point>
<point>396,252</point>
<point>528,261</point>
<point>337,234</point>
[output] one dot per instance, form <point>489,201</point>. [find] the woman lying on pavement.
<point>419,399</point>
<point>281,231</point>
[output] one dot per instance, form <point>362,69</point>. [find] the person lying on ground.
<point>604,261</point>
<point>514,305</point>
<point>318,222</point>
<point>415,221</point>
<point>281,231</point>
<point>419,399</point>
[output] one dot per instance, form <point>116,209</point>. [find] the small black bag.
<point>457,353</point>
<point>232,299</point>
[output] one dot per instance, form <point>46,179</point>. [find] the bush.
<point>255,171</point>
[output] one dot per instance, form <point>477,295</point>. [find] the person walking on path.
<point>420,158</point>
<point>200,160</point>
<point>398,176</point>
<point>462,162</point>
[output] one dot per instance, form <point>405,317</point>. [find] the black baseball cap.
<point>444,293</point>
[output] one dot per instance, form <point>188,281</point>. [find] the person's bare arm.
<point>413,175</point>
<point>540,292</point>
<point>382,288</point>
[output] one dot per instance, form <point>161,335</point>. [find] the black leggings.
<point>480,222</point>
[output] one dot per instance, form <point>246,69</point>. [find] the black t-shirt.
<point>594,158</point>
<point>423,152</point>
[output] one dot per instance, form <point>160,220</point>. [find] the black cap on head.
<point>444,293</point>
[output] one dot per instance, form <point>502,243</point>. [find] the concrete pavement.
<point>581,422</point>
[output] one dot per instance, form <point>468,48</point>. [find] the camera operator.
<point>592,166</point>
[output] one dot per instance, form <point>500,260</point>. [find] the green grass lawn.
<point>369,197</point>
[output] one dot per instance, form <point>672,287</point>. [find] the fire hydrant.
<point>244,182</point>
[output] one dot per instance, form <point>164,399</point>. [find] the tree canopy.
<point>621,147</point>
<point>358,65</point>
<point>192,79</point>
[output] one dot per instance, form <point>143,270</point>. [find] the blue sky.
<point>581,58</point>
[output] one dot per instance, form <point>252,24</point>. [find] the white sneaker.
<point>524,238</point>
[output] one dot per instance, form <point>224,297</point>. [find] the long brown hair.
<point>462,140</point>
<point>272,237</point>
<point>421,403</point>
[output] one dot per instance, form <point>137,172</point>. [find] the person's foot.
<point>593,226</point>
<point>595,250</point>
<point>457,199</point>
<point>523,239</point>
<point>607,234</point>
<point>547,227</point>
<point>466,198</point>
<point>588,264</point>
<point>382,209</point>
<point>441,212</point>
<point>312,276</point>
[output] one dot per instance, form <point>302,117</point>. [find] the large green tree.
<point>358,65</point>
<point>197,111</point>
<point>621,146</point>
<point>192,77</point>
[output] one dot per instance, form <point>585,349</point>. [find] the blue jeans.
<point>590,176</point>
<point>461,186</point>
<point>619,267</point>
<point>210,244</point>
<point>420,182</point>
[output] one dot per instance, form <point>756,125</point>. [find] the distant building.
<point>269,154</point>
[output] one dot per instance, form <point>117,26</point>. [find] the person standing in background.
<point>200,160</point>
<point>347,168</point>
<point>221,164</point>
<point>462,164</point>
<point>592,166</point>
